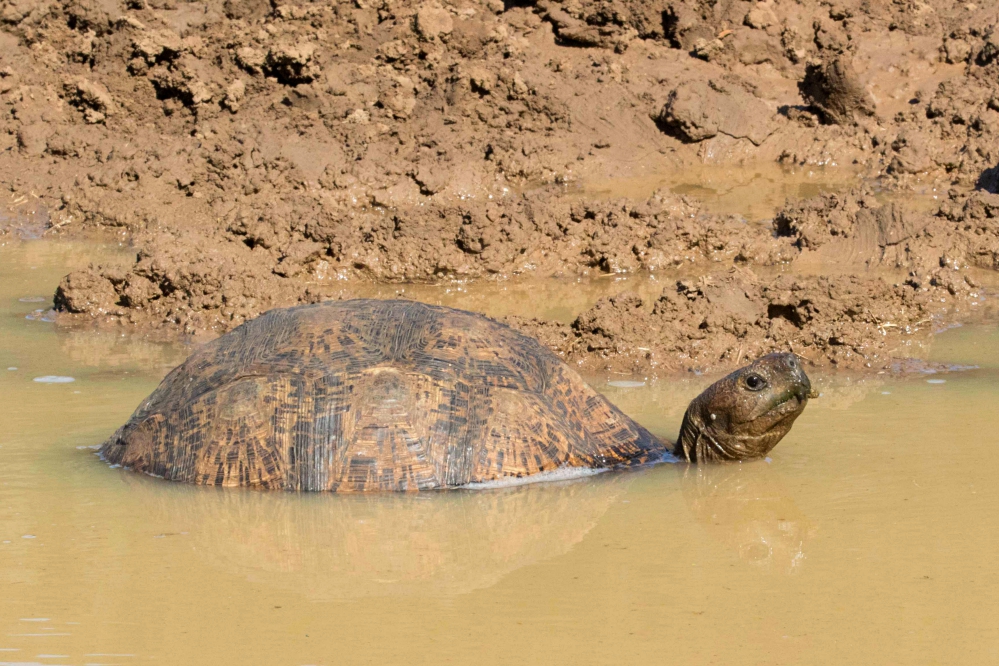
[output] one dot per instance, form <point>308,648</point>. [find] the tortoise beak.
<point>800,386</point>
<point>803,389</point>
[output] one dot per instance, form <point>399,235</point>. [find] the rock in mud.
<point>291,63</point>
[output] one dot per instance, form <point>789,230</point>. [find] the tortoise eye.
<point>754,382</point>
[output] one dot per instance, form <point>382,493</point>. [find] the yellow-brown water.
<point>755,191</point>
<point>870,537</point>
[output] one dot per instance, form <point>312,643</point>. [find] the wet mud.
<point>262,154</point>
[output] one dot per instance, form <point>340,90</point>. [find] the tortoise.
<point>379,395</point>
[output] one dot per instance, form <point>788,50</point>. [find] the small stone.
<point>990,47</point>
<point>199,92</point>
<point>519,86</point>
<point>92,98</point>
<point>158,44</point>
<point>291,64</point>
<point>86,291</point>
<point>7,80</point>
<point>911,153</point>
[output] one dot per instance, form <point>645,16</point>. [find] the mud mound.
<point>217,281</point>
<point>855,228</point>
<point>260,154</point>
<point>850,320</point>
<point>717,322</point>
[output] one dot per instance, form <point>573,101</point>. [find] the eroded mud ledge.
<point>264,154</point>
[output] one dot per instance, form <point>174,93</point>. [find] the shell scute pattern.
<point>373,395</point>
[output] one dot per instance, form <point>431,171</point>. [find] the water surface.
<point>755,191</point>
<point>869,537</point>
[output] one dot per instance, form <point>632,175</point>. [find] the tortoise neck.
<point>686,447</point>
<point>695,443</point>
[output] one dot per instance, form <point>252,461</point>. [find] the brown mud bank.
<point>261,154</point>
<point>842,280</point>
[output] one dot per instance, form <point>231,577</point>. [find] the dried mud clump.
<point>833,88</point>
<point>190,290</point>
<point>699,110</point>
<point>855,228</point>
<point>977,225</point>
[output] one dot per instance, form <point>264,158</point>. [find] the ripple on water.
<point>41,315</point>
<point>560,474</point>
<point>54,379</point>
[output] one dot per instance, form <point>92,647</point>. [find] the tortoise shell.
<point>369,395</point>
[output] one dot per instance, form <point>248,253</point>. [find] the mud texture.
<point>916,279</point>
<point>266,153</point>
<point>719,322</point>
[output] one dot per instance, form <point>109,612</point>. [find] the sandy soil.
<point>260,154</point>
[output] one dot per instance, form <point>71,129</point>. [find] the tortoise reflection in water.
<point>372,395</point>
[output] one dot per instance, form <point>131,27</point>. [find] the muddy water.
<point>753,191</point>
<point>870,536</point>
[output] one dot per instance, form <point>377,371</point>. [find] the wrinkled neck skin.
<point>697,443</point>
<point>694,444</point>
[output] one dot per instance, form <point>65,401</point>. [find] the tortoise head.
<point>745,414</point>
